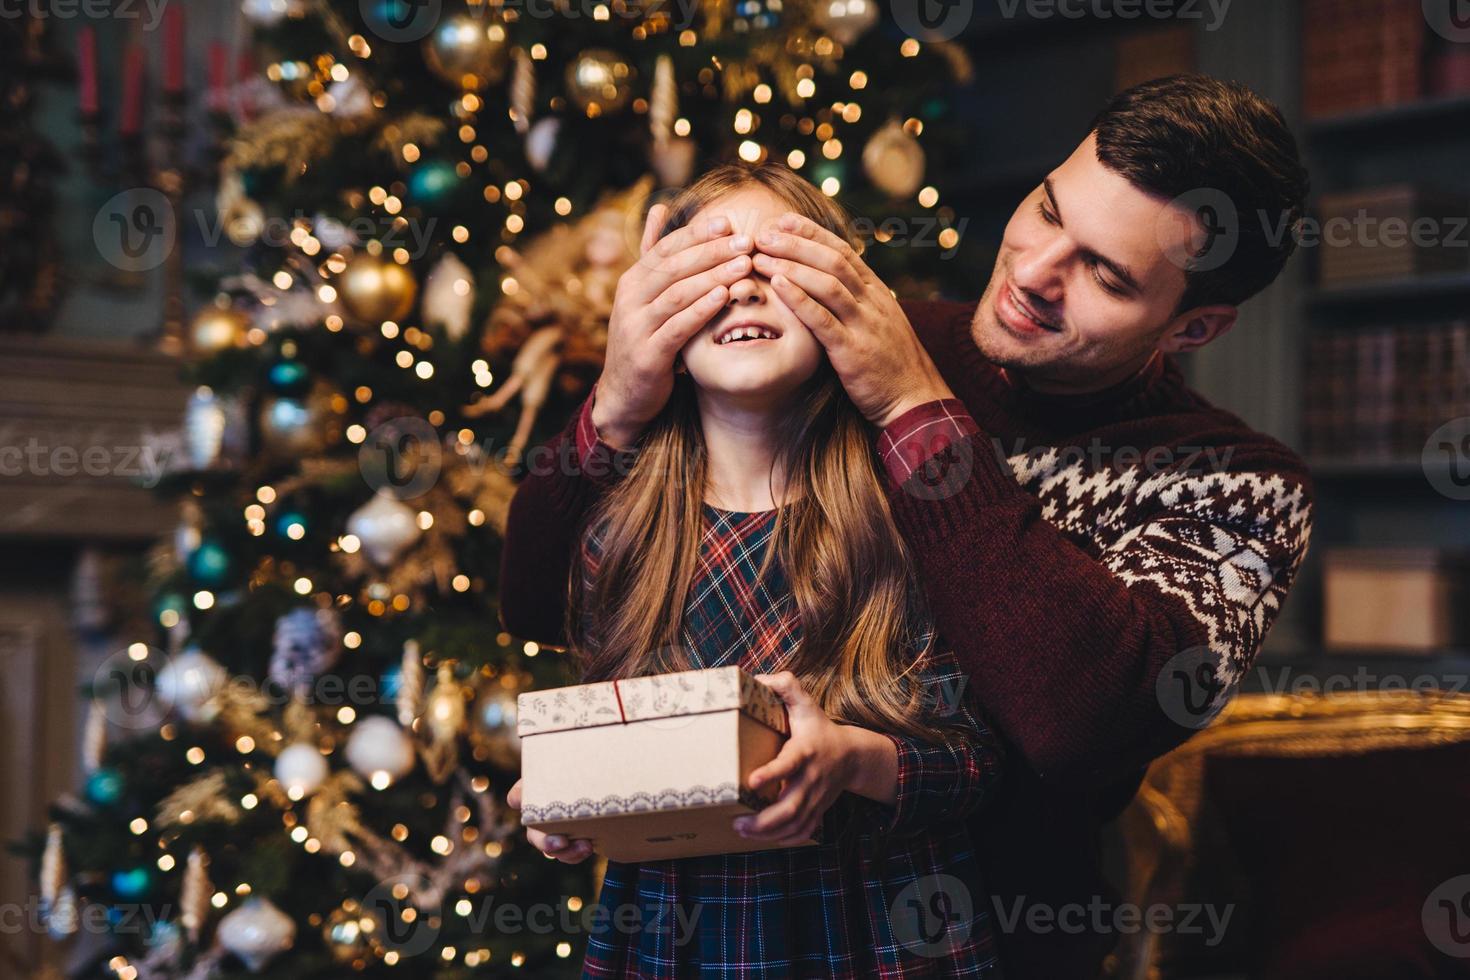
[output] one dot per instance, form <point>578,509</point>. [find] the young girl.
<point>753,530</point>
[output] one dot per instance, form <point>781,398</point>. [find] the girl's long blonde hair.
<point>848,568</point>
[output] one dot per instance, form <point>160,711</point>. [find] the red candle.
<point>173,49</point>
<point>219,81</point>
<point>132,91</point>
<point>87,70</point>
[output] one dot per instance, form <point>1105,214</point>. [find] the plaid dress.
<point>899,896</point>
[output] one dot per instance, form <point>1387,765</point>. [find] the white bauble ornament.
<point>256,932</point>
<point>847,20</point>
<point>386,526</point>
<point>894,161</point>
<point>189,682</point>
<point>449,295</point>
<point>380,750</point>
<point>204,427</point>
<point>301,769</point>
<point>541,142</point>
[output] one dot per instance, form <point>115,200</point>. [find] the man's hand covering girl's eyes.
<point>677,286</point>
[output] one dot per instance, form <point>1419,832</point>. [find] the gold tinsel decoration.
<point>663,103</point>
<point>417,128</point>
<point>444,716</point>
<point>194,894</point>
<point>411,685</point>
<point>282,140</point>
<point>553,326</point>
<point>205,800</point>
<point>522,91</point>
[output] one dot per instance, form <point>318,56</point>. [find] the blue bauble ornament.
<point>288,377</point>
<point>104,786</point>
<point>432,181</point>
<point>392,682</point>
<point>132,884</point>
<point>209,564</point>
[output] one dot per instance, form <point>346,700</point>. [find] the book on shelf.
<point>1374,395</point>
<point>1399,231</point>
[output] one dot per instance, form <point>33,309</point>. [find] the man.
<point>1104,549</point>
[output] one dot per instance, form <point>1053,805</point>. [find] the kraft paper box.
<point>649,768</point>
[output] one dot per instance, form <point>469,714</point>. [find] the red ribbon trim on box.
<point>622,715</point>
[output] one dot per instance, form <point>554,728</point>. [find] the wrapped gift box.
<point>649,768</point>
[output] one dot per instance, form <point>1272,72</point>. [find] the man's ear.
<point>1192,330</point>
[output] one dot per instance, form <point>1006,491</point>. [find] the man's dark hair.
<point>1189,133</point>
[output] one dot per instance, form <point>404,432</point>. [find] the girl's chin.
<point>750,387</point>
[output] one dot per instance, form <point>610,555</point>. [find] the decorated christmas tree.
<point>297,765</point>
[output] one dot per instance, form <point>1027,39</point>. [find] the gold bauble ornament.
<point>467,52</point>
<point>374,289</point>
<point>493,727</point>
<point>444,711</point>
<point>894,161</point>
<point>599,81</point>
<point>214,329</point>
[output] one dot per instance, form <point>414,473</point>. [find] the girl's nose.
<point>746,292</point>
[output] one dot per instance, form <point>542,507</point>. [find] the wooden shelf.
<point>1446,284</point>
<point>1387,121</point>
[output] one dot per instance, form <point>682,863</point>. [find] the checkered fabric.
<point>897,896</point>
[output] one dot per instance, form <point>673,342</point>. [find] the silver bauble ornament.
<point>256,932</point>
<point>386,527</point>
<point>301,769</point>
<point>379,750</point>
<point>189,682</point>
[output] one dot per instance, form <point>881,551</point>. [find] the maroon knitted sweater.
<point>1078,552</point>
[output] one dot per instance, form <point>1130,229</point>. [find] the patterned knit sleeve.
<point>953,773</point>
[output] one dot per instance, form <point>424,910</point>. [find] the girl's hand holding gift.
<point>555,846</point>
<point>819,762</point>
